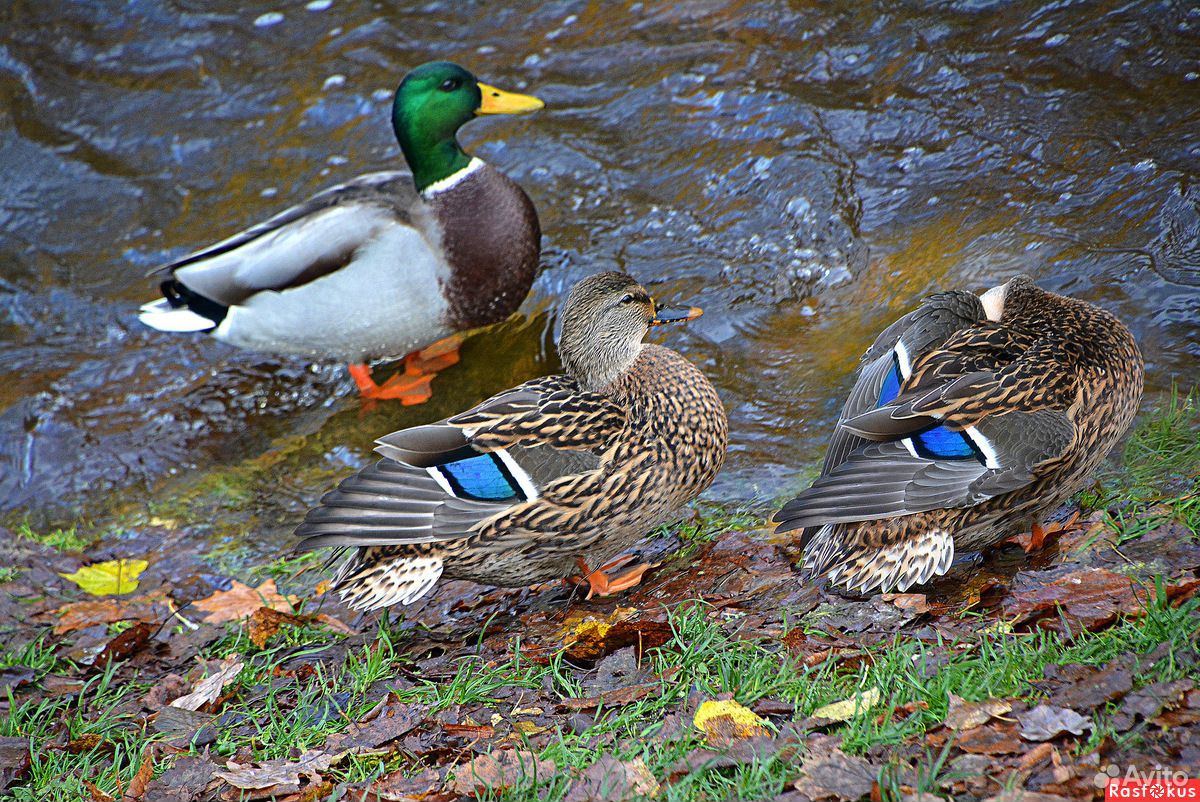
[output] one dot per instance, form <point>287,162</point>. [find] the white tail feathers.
<point>896,567</point>
<point>164,317</point>
<point>366,584</point>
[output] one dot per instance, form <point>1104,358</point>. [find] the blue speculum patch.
<point>891,384</point>
<point>936,443</point>
<point>483,478</point>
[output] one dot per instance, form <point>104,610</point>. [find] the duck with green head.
<point>385,265</point>
<point>560,474</point>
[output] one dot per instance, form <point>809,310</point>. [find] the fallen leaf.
<point>208,690</point>
<point>96,794</point>
<point>399,785</point>
<point>14,759</point>
<point>113,577</point>
<point>915,603</point>
<point>1148,702</point>
<point>836,776</point>
<point>86,613</point>
<point>84,743</point>
<point>145,772</point>
<point>725,720</point>
<point>240,601</point>
<point>964,715</point>
<point>266,621</point>
<point>282,772</point>
<point>1096,686</point>
<point>738,753</point>
<point>502,769</point>
<point>185,728</point>
<point>848,708</point>
<point>993,739</point>
<point>184,781</point>
<point>1090,598</point>
<point>123,646</point>
<point>612,780</point>
<point>393,720</point>
<point>1045,722</point>
<point>610,699</point>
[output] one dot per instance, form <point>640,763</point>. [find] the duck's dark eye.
<point>627,298</point>
<point>450,84</point>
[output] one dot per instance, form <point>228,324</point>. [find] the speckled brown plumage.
<point>995,421</point>
<point>588,469</point>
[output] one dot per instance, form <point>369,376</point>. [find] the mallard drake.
<point>971,417</point>
<point>559,473</point>
<point>383,265</point>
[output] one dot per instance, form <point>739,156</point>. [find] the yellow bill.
<point>497,101</point>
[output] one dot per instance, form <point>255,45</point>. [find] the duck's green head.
<point>432,103</point>
<point>604,320</point>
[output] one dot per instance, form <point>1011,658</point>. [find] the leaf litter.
<point>616,655</point>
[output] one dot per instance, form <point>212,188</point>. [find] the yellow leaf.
<point>726,720</point>
<point>848,708</point>
<point>108,578</point>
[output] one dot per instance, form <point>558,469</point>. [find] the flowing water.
<point>805,172</point>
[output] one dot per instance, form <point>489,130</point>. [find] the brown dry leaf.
<point>96,794</point>
<point>266,621</point>
<point>1090,598</point>
<point>747,750</point>
<point>1148,702</point>
<point>282,772</point>
<point>145,773</point>
<point>208,690</point>
<point>184,781</point>
<point>124,645</point>
<point>336,624</point>
<point>837,776</point>
<point>502,769</point>
<point>400,786</point>
<point>610,699</point>
<point>14,759</point>
<point>964,715</point>
<point>1096,686</point>
<point>82,614</point>
<point>1045,723</point>
<point>915,603</point>
<point>84,743</point>
<point>993,739</point>
<point>612,780</point>
<point>240,601</point>
<point>393,720</point>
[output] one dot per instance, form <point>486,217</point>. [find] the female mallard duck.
<point>383,265</point>
<point>561,472</point>
<point>971,417</point>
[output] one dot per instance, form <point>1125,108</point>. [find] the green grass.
<point>8,573</point>
<point>1157,480</point>
<point>102,710</point>
<point>61,539</point>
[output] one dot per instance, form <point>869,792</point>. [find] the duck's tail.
<point>180,309</point>
<point>380,576</point>
<point>849,561</point>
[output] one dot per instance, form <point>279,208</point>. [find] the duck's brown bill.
<point>674,314</point>
<point>497,101</point>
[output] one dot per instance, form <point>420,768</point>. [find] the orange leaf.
<point>241,601</point>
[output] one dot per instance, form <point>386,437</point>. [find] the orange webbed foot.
<point>601,584</point>
<point>1039,534</point>
<point>412,385</point>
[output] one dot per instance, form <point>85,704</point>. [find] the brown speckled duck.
<point>553,476</point>
<point>971,417</point>
<point>389,264</point>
